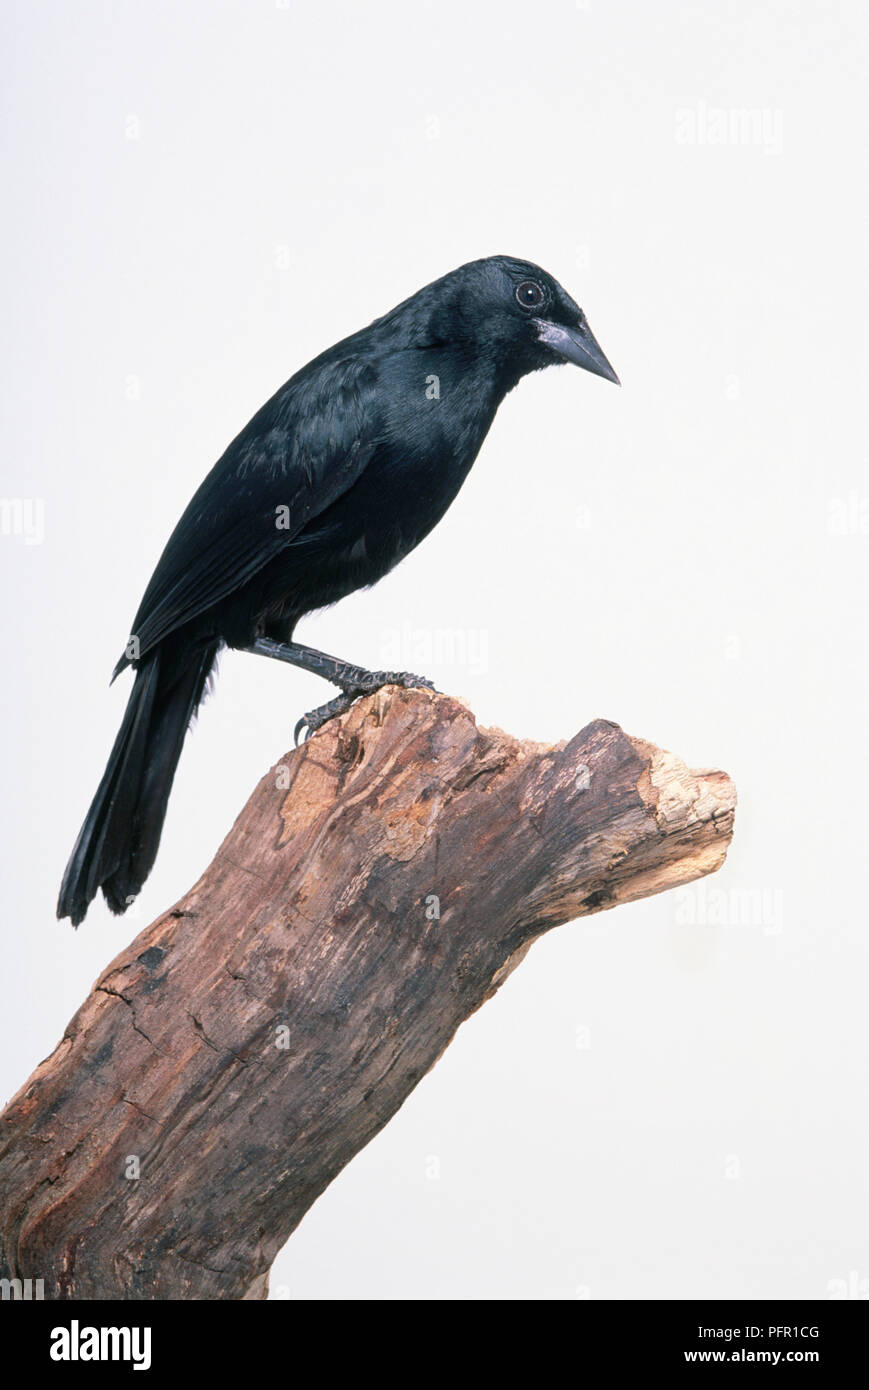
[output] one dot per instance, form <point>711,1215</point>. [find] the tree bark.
<point>380,884</point>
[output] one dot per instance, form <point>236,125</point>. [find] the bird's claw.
<point>375,680</point>
<point>316,718</point>
<point>406,679</point>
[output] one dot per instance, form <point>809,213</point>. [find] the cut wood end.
<point>695,808</point>
<point>680,795</point>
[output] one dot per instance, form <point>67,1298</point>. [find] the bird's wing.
<point>300,452</point>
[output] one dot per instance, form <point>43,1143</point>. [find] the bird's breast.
<point>431,426</point>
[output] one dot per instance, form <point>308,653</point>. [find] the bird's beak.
<point>577,345</point>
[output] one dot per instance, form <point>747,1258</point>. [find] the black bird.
<point>332,482</point>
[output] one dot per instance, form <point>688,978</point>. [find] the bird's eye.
<point>529,294</point>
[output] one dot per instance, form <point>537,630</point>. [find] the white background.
<point>201,196</point>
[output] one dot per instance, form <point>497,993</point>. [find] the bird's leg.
<point>353,681</point>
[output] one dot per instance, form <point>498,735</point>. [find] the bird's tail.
<point>117,844</point>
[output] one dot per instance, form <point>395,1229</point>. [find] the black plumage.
<point>334,480</point>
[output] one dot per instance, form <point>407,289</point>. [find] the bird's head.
<point>519,313</point>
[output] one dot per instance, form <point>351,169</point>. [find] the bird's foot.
<point>316,718</point>
<point>375,680</point>
<point>365,684</point>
